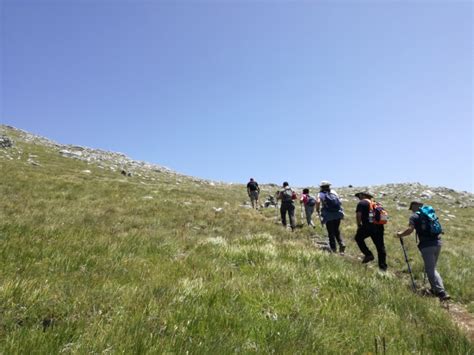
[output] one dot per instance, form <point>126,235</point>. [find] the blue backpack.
<point>430,225</point>
<point>331,202</point>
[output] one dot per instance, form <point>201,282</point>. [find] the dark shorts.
<point>253,195</point>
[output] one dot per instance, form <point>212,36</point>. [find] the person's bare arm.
<point>406,232</point>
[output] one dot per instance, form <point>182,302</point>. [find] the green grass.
<point>90,266</point>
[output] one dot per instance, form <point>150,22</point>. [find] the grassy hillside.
<point>103,263</point>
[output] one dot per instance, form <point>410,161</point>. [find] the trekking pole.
<point>409,268</point>
<point>321,221</point>
<point>276,207</point>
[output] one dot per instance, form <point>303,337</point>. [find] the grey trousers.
<point>309,213</point>
<point>430,257</point>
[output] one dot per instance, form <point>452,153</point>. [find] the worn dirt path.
<point>457,311</point>
<point>461,316</point>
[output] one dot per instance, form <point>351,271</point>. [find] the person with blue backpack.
<point>309,202</point>
<point>329,208</point>
<point>428,229</point>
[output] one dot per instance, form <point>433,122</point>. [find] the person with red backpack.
<point>428,230</point>
<point>309,202</point>
<point>253,190</point>
<point>368,226</point>
<point>329,208</point>
<point>287,197</point>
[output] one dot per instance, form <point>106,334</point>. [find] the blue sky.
<point>353,92</point>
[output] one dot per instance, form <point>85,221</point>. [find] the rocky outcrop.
<point>402,194</point>
<point>116,162</point>
<point>5,142</point>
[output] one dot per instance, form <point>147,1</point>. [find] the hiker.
<point>330,212</point>
<point>423,221</point>
<point>253,190</point>
<point>366,228</point>
<point>287,196</point>
<point>309,202</point>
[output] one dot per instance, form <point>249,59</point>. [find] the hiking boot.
<point>342,249</point>
<point>367,259</point>
<point>443,296</point>
<point>427,292</point>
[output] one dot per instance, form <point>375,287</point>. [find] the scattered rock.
<point>70,154</point>
<point>47,322</point>
<point>217,209</point>
<point>5,142</point>
<point>270,202</point>
<point>148,197</point>
<point>427,194</point>
<point>32,162</point>
<point>86,171</point>
<point>447,197</point>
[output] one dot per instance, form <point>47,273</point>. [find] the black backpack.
<point>253,186</point>
<point>311,201</point>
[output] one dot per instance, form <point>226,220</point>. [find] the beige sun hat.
<point>324,183</point>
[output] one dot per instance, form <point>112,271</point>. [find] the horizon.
<point>357,93</point>
<point>315,185</point>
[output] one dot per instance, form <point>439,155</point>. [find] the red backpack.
<point>377,214</point>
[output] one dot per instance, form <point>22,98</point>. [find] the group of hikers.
<point>370,218</point>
